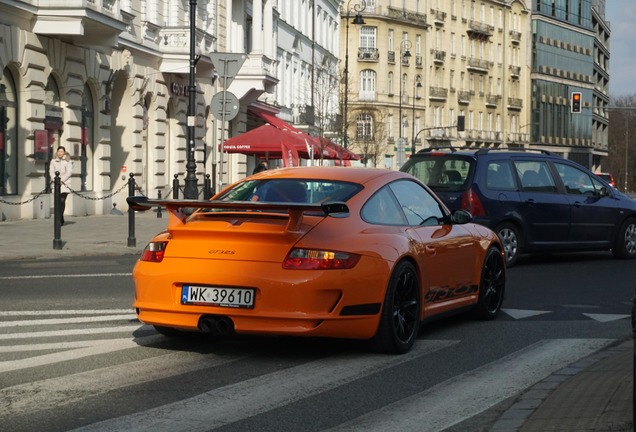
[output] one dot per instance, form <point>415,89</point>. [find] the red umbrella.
<point>339,152</point>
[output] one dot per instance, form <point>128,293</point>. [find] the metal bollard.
<point>132,241</point>
<point>159,215</point>
<point>207,187</point>
<point>57,212</point>
<point>175,187</point>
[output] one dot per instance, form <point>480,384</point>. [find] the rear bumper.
<point>287,302</point>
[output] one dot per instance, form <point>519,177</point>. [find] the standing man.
<point>62,163</point>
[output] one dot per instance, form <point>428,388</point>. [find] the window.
<point>367,37</point>
<point>364,127</point>
<point>535,176</point>
<point>367,85</point>
<point>8,136</point>
<point>499,176</point>
<point>389,84</point>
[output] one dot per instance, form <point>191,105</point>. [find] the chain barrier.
<point>24,202</point>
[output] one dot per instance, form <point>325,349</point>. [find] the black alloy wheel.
<point>400,319</point>
<point>492,286</point>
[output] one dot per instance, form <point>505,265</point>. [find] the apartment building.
<point>430,73</point>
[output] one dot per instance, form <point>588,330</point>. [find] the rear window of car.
<point>441,172</point>
<point>308,191</point>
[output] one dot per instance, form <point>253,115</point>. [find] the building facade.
<point>571,54</point>
<point>110,81</point>
<point>429,73</point>
<point>504,71</point>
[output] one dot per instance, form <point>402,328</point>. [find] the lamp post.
<point>357,8</point>
<point>404,54</point>
<point>190,190</point>
<point>416,84</point>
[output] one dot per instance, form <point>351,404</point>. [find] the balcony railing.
<point>438,55</point>
<point>515,36</point>
<point>437,93</point>
<point>371,54</point>
<point>480,65</point>
<point>463,97</point>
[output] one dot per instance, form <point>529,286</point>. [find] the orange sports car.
<point>339,252</point>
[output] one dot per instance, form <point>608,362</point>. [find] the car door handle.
<point>430,249</point>
<point>530,201</point>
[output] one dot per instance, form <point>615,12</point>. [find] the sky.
<point>621,15</point>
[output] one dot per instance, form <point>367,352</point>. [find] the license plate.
<point>218,296</point>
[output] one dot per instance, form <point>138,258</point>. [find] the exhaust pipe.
<point>216,325</point>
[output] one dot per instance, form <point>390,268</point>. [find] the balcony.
<point>83,22</point>
<point>463,97</point>
<point>515,71</point>
<point>437,93</point>
<point>390,57</point>
<point>492,100</point>
<point>256,76</point>
<point>515,103</point>
<point>515,36</point>
<point>368,54</point>
<point>438,56</point>
<point>478,65</point>
<point>407,16</point>
<point>418,61</point>
<point>439,17</point>
<point>174,44</point>
<point>480,31</point>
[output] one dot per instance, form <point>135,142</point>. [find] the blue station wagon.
<point>534,201</point>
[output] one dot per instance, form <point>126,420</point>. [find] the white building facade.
<point>109,81</point>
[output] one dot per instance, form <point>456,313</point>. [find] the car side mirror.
<point>461,217</point>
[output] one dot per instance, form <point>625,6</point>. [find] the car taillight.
<point>154,251</point>
<point>472,203</point>
<point>310,259</point>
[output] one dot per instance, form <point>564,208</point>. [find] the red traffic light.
<point>575,104</point>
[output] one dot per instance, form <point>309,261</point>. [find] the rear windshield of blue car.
<point>447,172</point>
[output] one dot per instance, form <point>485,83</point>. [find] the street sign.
<point>230,105</point>
<point>227,65</point>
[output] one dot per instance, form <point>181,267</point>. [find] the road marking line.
<point>248,398</point>
<point>474,392</point>
<point>53,276</point>
<point>55,321</point>
<point>90,348</point>
<point>72,332</point>
<point>65,312</point>
<point>522,313</point>
<point>607,317</point>
<point>56,392</point>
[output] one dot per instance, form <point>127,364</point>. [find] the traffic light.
<point>575,103</point>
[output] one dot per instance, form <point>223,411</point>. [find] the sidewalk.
<point>594,394</point>
<point>80,236</point>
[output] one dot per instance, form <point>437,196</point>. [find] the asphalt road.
<point>72,355</point>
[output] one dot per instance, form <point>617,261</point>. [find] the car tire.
<point>511,241</point>
<point>492,285</point>
<point>400,319</point>
<point>625,244</point>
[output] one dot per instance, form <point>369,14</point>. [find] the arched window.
<point>8,136</point>
<point>367,85</point>
<point>53,124</point>
<point>88,140</point>
<point>389,84</point>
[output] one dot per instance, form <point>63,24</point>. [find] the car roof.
<point>351,174</point>
<point>480,151</point>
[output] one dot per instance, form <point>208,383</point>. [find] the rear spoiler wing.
<point>295,210</point>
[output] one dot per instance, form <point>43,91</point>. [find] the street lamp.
<point>416,84</point>
<point>357,8</point>
<point>404,55</point>
<point>190,190</point>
